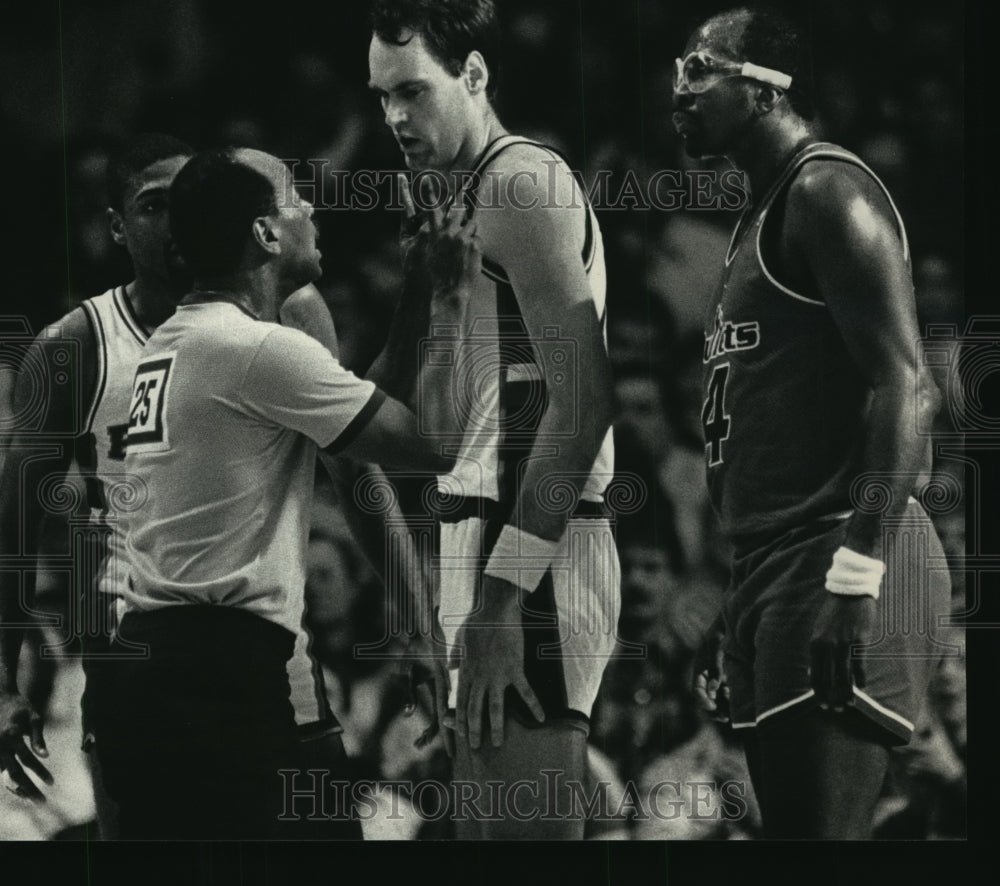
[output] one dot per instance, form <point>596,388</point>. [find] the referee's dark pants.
<point>193,735</point>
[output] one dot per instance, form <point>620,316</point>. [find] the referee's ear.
<point>265,236</point>
<point>117,225</point>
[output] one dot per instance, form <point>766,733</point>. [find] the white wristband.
<point>854,574</point>
<point>521,558</point>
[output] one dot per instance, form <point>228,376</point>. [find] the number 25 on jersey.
<point>147,421</point>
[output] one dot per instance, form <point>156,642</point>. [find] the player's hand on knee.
<point>490,691</point>
<point>492,644</point>
<point>843,623</point>
<point>21,745</point>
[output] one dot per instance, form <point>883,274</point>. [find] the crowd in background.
<point>593,80</point>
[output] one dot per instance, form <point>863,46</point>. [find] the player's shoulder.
<point>529,173</point>
<point>522,153</point>
<point>833,201</point>
<point>75,328</point>
<point>73,321</point>
<point>828,184</point>
<point>68,343</point>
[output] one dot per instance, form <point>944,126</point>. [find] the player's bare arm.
<point>395,369</point>
<point>843,229</point>
<point>24,469</point>
<point>538,241</point>
<point>540,248</point>
<point>392,438</point>
<point>306,310</point>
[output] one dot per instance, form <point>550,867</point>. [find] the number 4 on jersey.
<point>714,418</point>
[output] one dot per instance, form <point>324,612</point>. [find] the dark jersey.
<point>785,406</point>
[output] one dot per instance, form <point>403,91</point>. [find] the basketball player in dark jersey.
<point>529,587</point>
<point>811,389</point>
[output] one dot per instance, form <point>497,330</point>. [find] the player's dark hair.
<point>450,28</point>
<point>213,203</point>
<point>773,40</point>
<point>135,155</point>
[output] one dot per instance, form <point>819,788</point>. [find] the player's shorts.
<point>569,622</point>
<point>776,595</point>
<point>307,686</point>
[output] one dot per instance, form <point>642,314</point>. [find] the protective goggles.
<point>699,72</point>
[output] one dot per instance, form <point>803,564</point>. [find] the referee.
<point>228,411</point>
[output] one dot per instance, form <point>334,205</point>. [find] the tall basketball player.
<point>529,573</point>
<point>811,389</point>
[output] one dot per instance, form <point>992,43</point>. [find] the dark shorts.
<point>192,737</point>
<point>775,596</point>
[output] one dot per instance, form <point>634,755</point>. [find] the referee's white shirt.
<point>225,417</point>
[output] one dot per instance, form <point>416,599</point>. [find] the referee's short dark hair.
<point>450,28</point>
<point>135,155</point>
<point>213,203</point>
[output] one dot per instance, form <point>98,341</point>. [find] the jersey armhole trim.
<point>101,352</point>
<point>495,149</point>
<point>733,246</point>
<point>844,157</point>
<point>771,278</point>
<point>357,424</point>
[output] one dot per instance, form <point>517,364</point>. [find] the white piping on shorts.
<point>804,697</point>
<point>882,709</point>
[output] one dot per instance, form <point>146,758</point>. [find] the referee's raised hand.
<point>445,246</point>
<point>21,745</point>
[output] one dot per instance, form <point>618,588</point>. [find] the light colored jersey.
<point>505,395</point>
<point>120,339</point>
<point>224,418</point>
<point>504,392</point>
